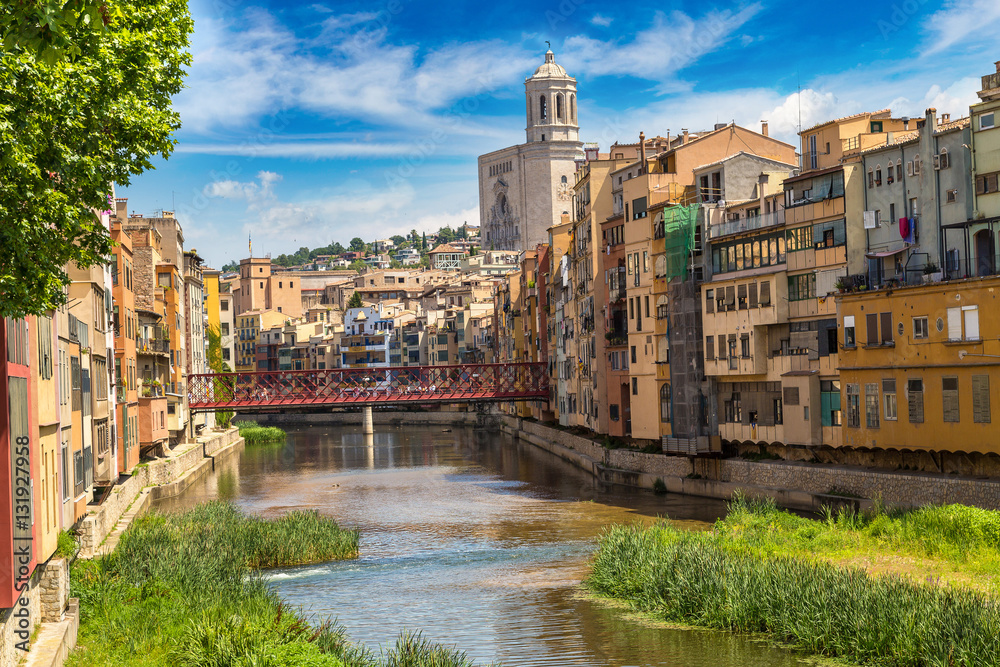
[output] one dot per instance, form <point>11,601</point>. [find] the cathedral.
<point>525,189</point>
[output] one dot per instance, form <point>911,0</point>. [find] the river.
<point>473,538</point>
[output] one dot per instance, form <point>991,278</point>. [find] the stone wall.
<point>792,484</point>
<point>96,526</point>
<point>18,622</point>
<point>54,587</point>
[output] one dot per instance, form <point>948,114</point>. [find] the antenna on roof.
<point>799,85</point>
<point>549,44</point>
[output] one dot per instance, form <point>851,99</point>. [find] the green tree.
<point>85,101</point>
<point>397,239</point>
<point>355,301</point>
<point>423,244</point>
<point>336,248</point>
<point>445,235</point>
<point>359,266</point>
<point>414,236</point>
<point>217,365</point>
<point>230,267</point>
<point>357,244</point>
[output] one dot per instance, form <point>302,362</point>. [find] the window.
<point>986,183</point>
<point>899,170</point>
<point>920,327</point>
<point>633,354</point>
<point>635,386</point>
<point>741,297</point>
<point>829,396</point>
<point>871,405</point>
<point>981,399</point>
<point>709,301</point>
<point>798,239</point>
<point>871,178</point>
<point>853,407</point>
<point>986,121</point>
<point>878,175</point>
<point>949,399</point>
<point>776,406</point>
<point>967,318</point>
<point>710,348</point>
<point>745,345</point>
<point>943,161</point>
<point>722,347</point>
<point>889,398</point>
<point>613,412</point>
<point>732,352</point>
<point>886,328</point>
<point>952,197</point>
<point>802,287</point>
<point>665,413</point>
<point>915,400</point>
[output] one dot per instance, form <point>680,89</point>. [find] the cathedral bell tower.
<point>551,104</point>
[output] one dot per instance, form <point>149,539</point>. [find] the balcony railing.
<point>152,345</point>
<point>747,224</point>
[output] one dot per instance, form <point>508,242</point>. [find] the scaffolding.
<point>679,225</point>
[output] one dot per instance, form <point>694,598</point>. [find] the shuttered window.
<point>915,400</point>
<point>954,324</point>
<point>791,395</point>
<point>753,295</point>
<point>730,297</point>
<point>981,399</point>
<point>886,327</point>
<point>949,398</point>
<point>765,293</point>
<point>971,316</point>
<point>741,296</point>
<point>709,301</point>
<point>853,405</point>
<point>722,347</point>
<point>871,320</point>
<point>710,347</point>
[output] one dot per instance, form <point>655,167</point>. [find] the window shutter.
<point>791,395</point>
<point>722,347</point>
<point>741,292</point>
<point>871,320</point>
<point>954,324</point>
<point>886,327</point>
<point>710,347</point>
<point>981,399</point>
<point>949,398</point>
<point>753,295</point>
<point>765,293</point>
<point>730,297</point>
<point>915,400</point>
<point>709,301</point>
<point>971,316</point>
<point>980,185</point>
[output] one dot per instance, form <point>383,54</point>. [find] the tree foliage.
<point>85,101</point>
<point>357,244</point>
<point>355,300</point>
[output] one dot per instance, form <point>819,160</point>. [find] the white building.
<point>525,189</point>
<point>365,343</point>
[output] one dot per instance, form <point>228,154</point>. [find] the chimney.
<point>906,122</point>
<point>997,63</point>
<point>763,128</point>
<point>945,117</point>
<point>931,116</point>
<point>642,149</point>
<point>684,138</point>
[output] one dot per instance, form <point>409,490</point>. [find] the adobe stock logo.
<point>899,16</point>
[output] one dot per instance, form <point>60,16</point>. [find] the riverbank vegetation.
<point>254,434</point>
<point>186,589</point>
<point>803,582</point>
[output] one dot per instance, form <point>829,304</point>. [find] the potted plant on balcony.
<point>932,274</point>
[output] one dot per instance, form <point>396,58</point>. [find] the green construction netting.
<point>679,224</point>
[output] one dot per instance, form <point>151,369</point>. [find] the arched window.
<point>665,411</point>
<point>560,108</point>
<point>916,164</point>
<point>899,169</point>
<point>871,177</point>
<point>564,180</point>
<point>543,112</point>
<point>878,175</point>
<point>572,108</point>
<point>944,164</point>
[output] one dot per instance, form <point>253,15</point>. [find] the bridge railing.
<point>387,385</point>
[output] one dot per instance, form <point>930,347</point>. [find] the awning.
<point>884,253</point>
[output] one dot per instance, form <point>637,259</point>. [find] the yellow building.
<point>983,228</point>
<point>920,367</point>
<point>48,491</point>
<point>248,328</point>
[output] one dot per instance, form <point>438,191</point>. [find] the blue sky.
<point>307,123</point>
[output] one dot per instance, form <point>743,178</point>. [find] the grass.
<point>66,546</point>
<point>253,434</point>
<point>763,570</point>
<point>186,590</point>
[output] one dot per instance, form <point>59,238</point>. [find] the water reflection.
<point>477,540</point>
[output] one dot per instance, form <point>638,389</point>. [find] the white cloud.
<point>962,21</point>
<point>253,192</point>
<point>669,44</point>
<point>601,20</point>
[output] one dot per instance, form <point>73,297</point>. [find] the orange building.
<point>126,330</point>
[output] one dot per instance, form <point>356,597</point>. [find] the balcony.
<point>152,346</point>
<point>152,421</point>
<point>728,227</point>
<point>991,81</point>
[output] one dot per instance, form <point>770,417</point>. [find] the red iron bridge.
<point>467,383</point>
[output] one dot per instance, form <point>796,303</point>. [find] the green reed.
<point>254,434</point>
<point>740,577</point>
<point>186,589</point>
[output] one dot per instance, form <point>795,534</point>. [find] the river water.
<point>473,538</point>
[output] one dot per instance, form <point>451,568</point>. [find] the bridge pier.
<point>369,426</point>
